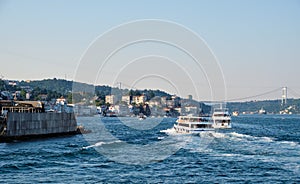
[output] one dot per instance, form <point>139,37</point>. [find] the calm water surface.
<point>259,148</point>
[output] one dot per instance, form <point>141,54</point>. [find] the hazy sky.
<point>257,43</point>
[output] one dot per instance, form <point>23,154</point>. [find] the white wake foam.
<point>219,135</point>
<point>100,144</point>
<point>290,143</point>
<point>170,131</point>
<point>234,134</point>
<point>238,136</point>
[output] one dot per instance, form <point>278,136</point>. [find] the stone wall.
<point>20,124</point>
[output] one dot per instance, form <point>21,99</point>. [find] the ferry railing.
<point>20,109</point>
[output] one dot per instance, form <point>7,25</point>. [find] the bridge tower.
<point>284,96</point>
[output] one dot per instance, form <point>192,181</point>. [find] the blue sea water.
<point>259,148</point>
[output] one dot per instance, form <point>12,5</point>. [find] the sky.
<point>256,43</point>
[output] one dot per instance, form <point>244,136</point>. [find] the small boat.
<point>221,118</point>
<point>142,116</point>
<point>235,113</point>
<point>111,114</point>
<point>262,111</point>
<point>193,124</point>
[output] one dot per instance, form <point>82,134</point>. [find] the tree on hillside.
<point>23,94</point>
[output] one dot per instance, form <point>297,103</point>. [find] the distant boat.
<point>235,113</point>
<point>111,114</point>
<point>262,111</point>
<point>142,116</point>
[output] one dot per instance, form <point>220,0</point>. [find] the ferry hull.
<point>186,130</point>
<point>222,126</point>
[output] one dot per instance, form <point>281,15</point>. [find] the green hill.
<point>271,106</point>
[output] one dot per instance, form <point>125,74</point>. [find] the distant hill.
<point>271,106</point>
<point>63,87</point>
<point>59,85</point>
<point>56,87</point>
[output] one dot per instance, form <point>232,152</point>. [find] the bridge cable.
<point>254,96</point>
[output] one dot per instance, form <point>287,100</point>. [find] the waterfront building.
<point>111,99</point>
<point>127,99</point>
<point>139,99</point>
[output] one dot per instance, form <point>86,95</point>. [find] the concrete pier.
<point>27,124</point>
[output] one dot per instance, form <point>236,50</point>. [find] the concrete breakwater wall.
<point>23,124</point>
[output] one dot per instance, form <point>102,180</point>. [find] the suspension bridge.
<point>284,94</point>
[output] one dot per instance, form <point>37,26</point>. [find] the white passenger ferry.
<point>193,124</point>
<point>221,118</point>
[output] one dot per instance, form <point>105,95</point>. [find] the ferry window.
<point>183,124</point>
<point>203,126</point>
